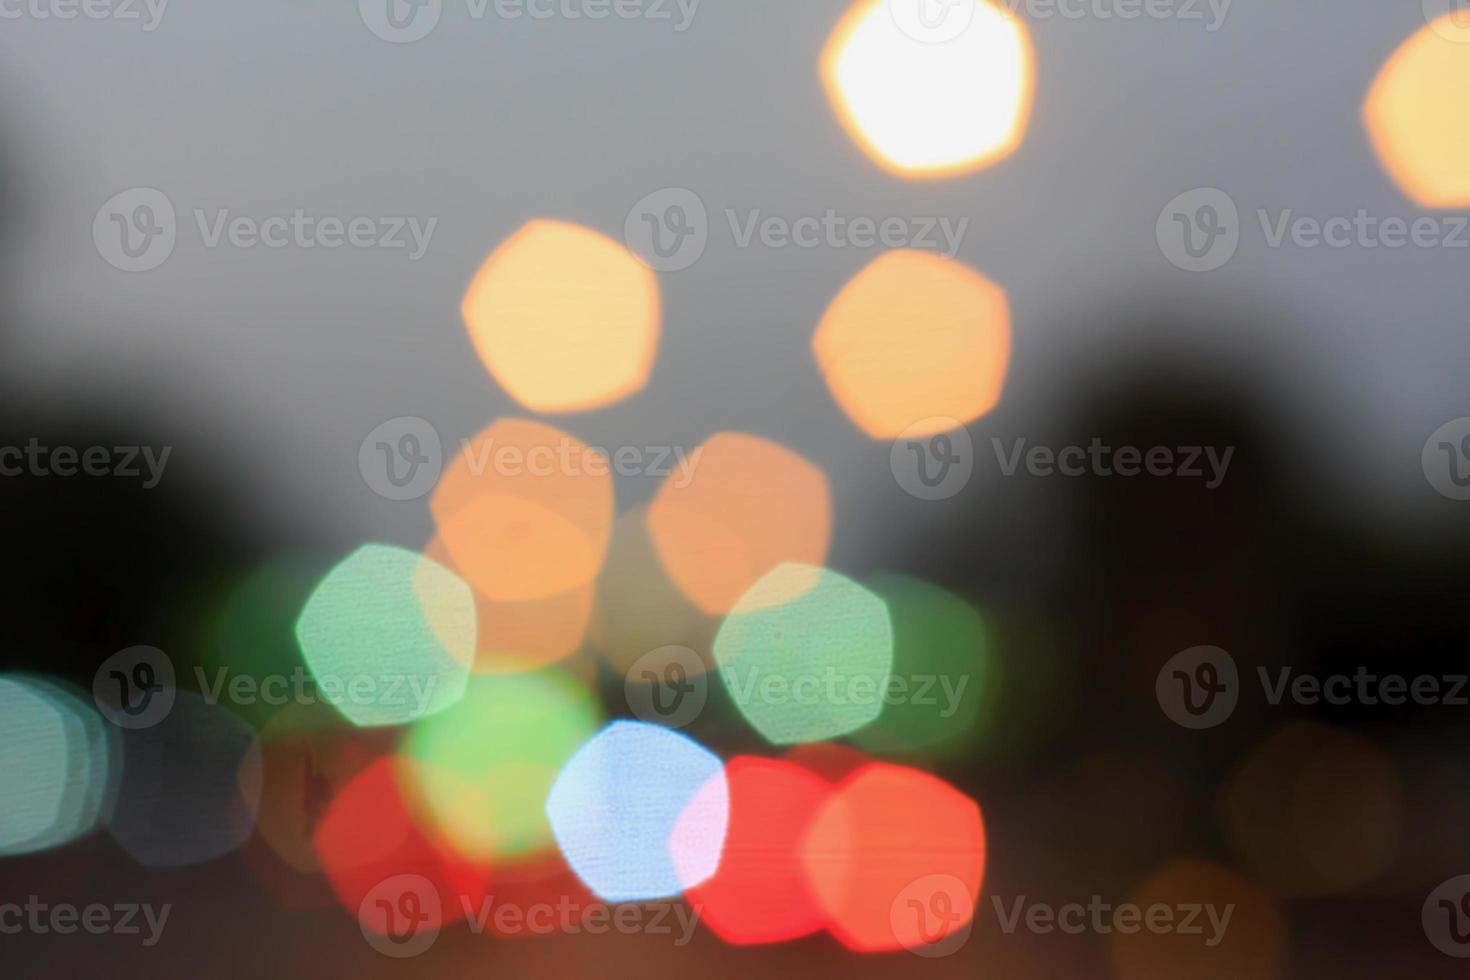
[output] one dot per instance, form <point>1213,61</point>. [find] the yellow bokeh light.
<point>1415,114</point>
<point>931,106</point>
<point>915,338</point>
<point>564,318</point>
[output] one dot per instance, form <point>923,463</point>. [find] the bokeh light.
<point>57,765</point>
<point>190,787</point>
<point>806,655</point>
<point>885,829</point>
<point>639,609</point>
<point>489,761</point>
<point>943,669</point>
<point>1251,942</point>
<point>1415,114</point>
<point>1315,810</point>
<point>564,318</point>
<point>525,511</point>
<point>640,812</point>
<point>305,762</point>
<point>750,505</point>
<point>252,630</point>
<point>760,892</point>
<point>931,106</point>
<point>915,338</point>
<point>389,636</point>
<point>524,634</point>
<point>371,833</point>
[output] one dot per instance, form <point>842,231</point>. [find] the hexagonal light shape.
<point>913,338</point>
<point>1415,114</point>
<point>931,97</point>
<point>565,318</point>
<point>806,655</point>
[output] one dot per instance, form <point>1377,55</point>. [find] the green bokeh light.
<point>56,765</point>
<point>389,636</point>
<point>942,668</point>
<point>806,655</point>
<point>488,762</point>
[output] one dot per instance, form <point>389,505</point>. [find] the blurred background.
<point>1326,548</point>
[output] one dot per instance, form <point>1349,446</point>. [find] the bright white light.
<point>931,104</point>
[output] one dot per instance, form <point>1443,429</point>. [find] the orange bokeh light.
<point>760,894</point>
<point>525,511</point>
<point>565,318</point>
<point>749,506</point>
<point>914,338</point>
<point>1415,114</point>
<point>886,829</point>
<point>521,635</point>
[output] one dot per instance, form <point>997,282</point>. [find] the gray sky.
<point>286,358</point>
